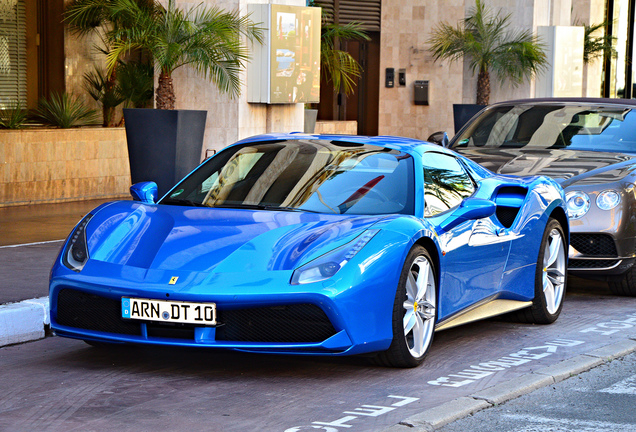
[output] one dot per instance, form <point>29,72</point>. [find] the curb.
<point>434,418</point>
<point>24,321</point>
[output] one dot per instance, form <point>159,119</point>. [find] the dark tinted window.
<point>311,175</point>
<point>552,126</point>
<point>446,183</point>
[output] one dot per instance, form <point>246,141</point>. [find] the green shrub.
<point>14,116</point>
<point>65,111</point>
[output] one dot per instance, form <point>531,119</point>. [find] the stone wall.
<point>54,165</point>
<point>406,26</point>
<point>349,127</point>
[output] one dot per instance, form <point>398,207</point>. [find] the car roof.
<point>407,145</point>
<point>570,100</point>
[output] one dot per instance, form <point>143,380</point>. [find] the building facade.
<point>38,54</point>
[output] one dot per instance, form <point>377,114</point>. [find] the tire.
<point>550,278</point>
<point>626,285</point>
<point>414,312</point>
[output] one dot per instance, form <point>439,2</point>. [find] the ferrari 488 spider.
<point>310,244</point>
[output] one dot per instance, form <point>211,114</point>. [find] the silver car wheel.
<point>554,271</point>
<point>419,307</point>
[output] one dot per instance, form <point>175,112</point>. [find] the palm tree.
<point>339,66</point>
<point>208,39</point>
<point>94,16</point>
<point>483,37</point>
<point>598,46</point>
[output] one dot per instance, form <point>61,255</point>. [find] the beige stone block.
<point>57,188</point>
<point>9,152</point>
<point>103,150</point>
<point>122,185</point>
<point>4,199</point>
<point>11,191</point>
<point>73,169</point>
<point>18,153</point>
<point>100,186</point>
<point>109,184</point>
<point>40,171</point>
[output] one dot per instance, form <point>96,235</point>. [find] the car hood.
<point>197,239</point>
<point>565,166</point>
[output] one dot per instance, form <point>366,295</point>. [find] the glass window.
<point>553,126</point>
<point>13,82</point>
<point>446,183</point>
<point>310,175</point>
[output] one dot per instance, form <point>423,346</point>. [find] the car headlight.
<point>76,253</point>
<point>327,265</point>
<point>577,203</point>
<point>608,199</point>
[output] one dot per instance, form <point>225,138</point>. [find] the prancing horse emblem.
<point>173,280</point>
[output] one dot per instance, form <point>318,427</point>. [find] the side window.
<point>446,183</point>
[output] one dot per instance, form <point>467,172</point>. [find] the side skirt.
<point>486,310</point>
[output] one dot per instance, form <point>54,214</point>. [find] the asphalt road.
<point>60,384</point>
<point>603,399</point>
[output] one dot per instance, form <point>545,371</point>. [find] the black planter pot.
<point>464,112</point>
<point>163,145</point>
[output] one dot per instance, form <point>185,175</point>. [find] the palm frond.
<point>65,111</point>
<point>13,116</point>
<point>484,38</point>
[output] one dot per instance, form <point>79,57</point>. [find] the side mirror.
<point>146,192</point>
<point>439,138</point>
<point>469,209</point>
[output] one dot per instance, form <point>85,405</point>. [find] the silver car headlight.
<point>608,199</point>
<point>327,265</point>
<point>577,203</point>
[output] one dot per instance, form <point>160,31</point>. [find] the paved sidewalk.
<point>31,238</point>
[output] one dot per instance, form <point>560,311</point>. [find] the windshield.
<point>552,126</point>
<point>307,175</point>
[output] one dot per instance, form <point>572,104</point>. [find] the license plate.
<point>168,311</point>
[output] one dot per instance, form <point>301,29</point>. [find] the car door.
<point>473,254</point>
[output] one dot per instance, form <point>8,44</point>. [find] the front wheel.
<point>414,312</point>
<point>550,277</point>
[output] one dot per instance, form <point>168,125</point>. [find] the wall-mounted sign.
<point>286,67</point>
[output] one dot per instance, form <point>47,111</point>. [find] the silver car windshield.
<point>553,126</point>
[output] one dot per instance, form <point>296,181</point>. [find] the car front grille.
<point>292,323</point>
<point>600,245</point>
<point>91,312</point>
<point>591,264</point>
<point>297,323</point>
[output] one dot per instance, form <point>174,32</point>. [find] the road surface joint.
<point>434,418</point>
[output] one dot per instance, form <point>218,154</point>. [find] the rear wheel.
<point>414,312</point>
<point>626,285</point>
<point>550,278</point>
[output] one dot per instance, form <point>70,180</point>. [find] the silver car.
<point>589,147</point>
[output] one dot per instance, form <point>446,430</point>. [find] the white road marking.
<point>627,386</point>
<point>567,425</point>
<point>30,244</point>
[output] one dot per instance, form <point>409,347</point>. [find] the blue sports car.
<point>315,244</point>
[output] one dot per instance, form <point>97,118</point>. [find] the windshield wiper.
<point>181,201</point>
<point>263,207</point>
<point>290,209</point>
